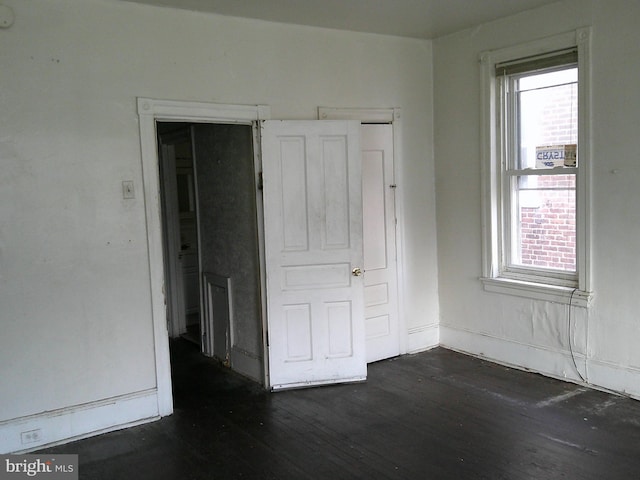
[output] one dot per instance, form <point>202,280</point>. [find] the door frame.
<point>149,112</point>
<point>170,216</point>
<point>392,116</point>
<point>174,281</point>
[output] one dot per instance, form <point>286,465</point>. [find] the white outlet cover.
<point>32,436</point>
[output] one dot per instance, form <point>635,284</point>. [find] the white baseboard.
<point>34,432</point>
<point>422,338</point>
<point>624,380</point>
<point>546,361</point>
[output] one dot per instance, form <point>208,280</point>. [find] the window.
<point>538,130</point>
<point>536,156</point>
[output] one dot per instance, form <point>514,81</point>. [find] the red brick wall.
<point>548,232</point>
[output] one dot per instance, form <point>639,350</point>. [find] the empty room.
<point>321,239</point>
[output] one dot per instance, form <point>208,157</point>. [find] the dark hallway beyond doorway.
<point>434,415</point>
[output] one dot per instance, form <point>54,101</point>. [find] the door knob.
<point>356,272</point>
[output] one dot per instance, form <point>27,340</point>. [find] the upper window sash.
<point>519,93</point>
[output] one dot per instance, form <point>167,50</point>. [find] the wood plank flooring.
<point>434,415</point>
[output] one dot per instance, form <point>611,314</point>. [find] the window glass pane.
<point>544,234</point>
<point>547,115</point>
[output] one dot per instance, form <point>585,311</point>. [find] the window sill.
<point>538,291</point>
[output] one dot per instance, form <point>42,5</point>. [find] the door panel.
<point>313,241</point>
<point>380,277</point>
<point>374,189</point>
<point>292,174</point>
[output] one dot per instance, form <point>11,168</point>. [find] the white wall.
<point>74,276</point>
<point>527,333</point>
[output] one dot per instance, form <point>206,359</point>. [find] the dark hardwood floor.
<point>434,415</point>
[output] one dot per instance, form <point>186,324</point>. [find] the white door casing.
<point>379,226</point>
<point>149,111</point>
<point>313,243</point>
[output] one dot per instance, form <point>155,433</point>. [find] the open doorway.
<point>211,240</point>
<point>180,235</point>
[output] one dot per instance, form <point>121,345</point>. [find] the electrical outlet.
<point>32,436</point>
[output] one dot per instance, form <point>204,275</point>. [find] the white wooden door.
<point>380,263</point>
<point>313,252</point>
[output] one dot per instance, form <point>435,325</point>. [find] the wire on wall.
<point>573,358</point>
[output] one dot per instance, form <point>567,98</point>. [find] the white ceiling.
<point>407,18</point>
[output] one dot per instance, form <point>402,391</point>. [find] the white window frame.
<point>539,285</point>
